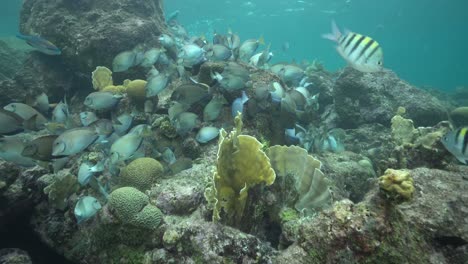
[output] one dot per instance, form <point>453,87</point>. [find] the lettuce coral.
<point>311,188</point>
<point>241,164</point>
<point>102,77</point>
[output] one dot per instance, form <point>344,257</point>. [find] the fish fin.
<point>245,98</point>
<point>335,34</point>
<point>30,123</point>
<point>261,40</point>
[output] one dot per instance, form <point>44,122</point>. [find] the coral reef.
<point>241,164</point>
<point>141,173</point>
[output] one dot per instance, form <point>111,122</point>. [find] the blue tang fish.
<point>40,44</point>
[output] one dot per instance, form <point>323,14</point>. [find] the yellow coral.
<point>116,89</point>
<point>136,88</point>
<point>403,131</point>
<point>102,77</point>
<point>397,183</point>
<point>241,164</point>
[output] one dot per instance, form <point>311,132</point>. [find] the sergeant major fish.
<point>456,142</point>
<point>361,52</point>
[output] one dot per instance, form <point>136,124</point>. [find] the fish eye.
<point>379,62</point>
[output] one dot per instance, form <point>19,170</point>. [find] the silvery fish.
<point>87,118</point>
<point>40,44</point>
<point>168,156</point>
<point>126,146</point>
<point>185,122</point>
<point>166,41</point>
<point>102,100</point>
<point>207,134</point>
<point>60,113</point>
<point>123,61</point>
<point>233,40</point>
<point>86,208</point>
<point>40,148</point>
<point>361,52</point>
<point>220,53</point>
<point>74,141</point>
<point>33,120</point>
<point>122,123</point>
<point>456,142</point>
<point>156,84</point>
<point>213,109</point>
<point>238,104</point>
<point>11,149</point>
<point>151,56</point>
<point>10,123</point>
<point>87,170</point>
<point>40,102</point>
<point>248,48</point>
<point>191,55</point>
<point>102,127</point>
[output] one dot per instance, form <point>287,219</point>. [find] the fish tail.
<point>335,35</point>
<point>261,40</point>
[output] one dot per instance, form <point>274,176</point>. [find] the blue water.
<point>424,41</point>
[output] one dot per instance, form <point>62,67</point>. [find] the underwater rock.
<point>92,33</point>
<point>350,172</point>
<point>14,256</point>
<point>13,52</point>
<point>374,97</point>
<point>18,189</point>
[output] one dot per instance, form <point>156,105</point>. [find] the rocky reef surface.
<point>370,182</point>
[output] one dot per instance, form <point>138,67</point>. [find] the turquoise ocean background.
<point>424,41</point>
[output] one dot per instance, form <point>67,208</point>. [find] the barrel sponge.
<point>126,202</point>
<point>397,183</point>
<point>241,164</point>
<point>102,77</point>
<point>141,173</point>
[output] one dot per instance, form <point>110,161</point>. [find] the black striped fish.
<point>456,142</point>
<point>361,52</point>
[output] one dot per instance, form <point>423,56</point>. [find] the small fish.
<point>233,40</point>
<point>61,113</point>
<point>10,123</point>
<point>87,170</point>
<point>291,137</point>
<point>122,123</point>
<point>40,102</point>
<point>189,94</point>
<point>361,52</point>
<point>166,41</point>
<point>87,118</point>
<point>40,148</point>
<point>102,127</point>
<point>191,55</point>
<point>207,134</point>
<point>213,109</point>
<point>74,141</point>
<point>123,61</point>
<point>248,48</point>
<point>238,104</point>
<point>172,16</point>
<point>456,142</point>
<point>291,74</point>
<point>33,120</point>
<point>168,156</point>
<point>220,53</point>
<point>151,56</point>
<point>156,84</point>
<point>11,149</point>
<point>126,146</point>
<point>40,44</point>
<point>102,100</point>
<point>86,208</point>
<point>185,122</point>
